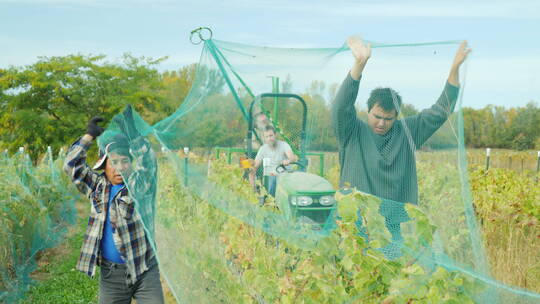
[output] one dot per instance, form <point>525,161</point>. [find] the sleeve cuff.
<point>451,86</point>
<point>84,143</point>
<point>452,91</point>
<point>350,79</point>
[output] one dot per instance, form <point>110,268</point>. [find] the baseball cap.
<point>119,144</point>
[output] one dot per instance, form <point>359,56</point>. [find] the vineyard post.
<point>21,153</point>
<point>49,154</point>
<point>488,152</point>
<point>5,155</point>
<point>186,151</point>
<point>537,166</point>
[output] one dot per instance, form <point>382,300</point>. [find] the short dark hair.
<point>386,98</point>
<point>270,128</point>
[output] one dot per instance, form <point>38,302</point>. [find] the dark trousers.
<point>113,287</point>
<point>270,183</point>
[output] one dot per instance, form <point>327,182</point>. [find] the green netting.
<point>37,205</point>
<point>334,238</point>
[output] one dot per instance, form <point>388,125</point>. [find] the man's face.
<point>115,164</point>
<point>270,138</point>
<point>381,121</point>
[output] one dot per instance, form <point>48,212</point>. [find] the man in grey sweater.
<point>377,156</point>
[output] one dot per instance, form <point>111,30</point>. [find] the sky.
<point>502,70</point>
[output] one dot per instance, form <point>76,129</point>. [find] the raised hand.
<point>360,51</point>
<point>93,129</point>
<point>461,54</point>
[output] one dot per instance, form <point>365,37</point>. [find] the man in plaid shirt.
<point>115,238</point>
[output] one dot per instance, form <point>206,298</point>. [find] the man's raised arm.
<point>75,164</point>
<point>361,53</point>
<point>343,110</point>
<point>429,120</point>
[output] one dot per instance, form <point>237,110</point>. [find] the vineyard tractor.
<point>304,197</point>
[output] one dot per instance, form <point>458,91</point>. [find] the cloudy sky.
<point>503,69</point>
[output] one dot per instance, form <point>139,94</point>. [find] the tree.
<point>526,127</point>
<point>319,128</point>
<point>408,110</point>
<point>49,102</point>
<point>497,127</point>
<point>176,86</point>
<point>287,85</point>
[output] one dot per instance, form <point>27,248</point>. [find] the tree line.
<point>515,128</point>
<point>49,102</point>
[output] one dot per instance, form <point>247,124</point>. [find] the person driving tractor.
<point>273,153</point>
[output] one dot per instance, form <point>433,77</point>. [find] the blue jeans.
<point>270,182</point>
<point>113,287</point>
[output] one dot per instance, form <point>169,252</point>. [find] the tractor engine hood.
<point>302,182</point>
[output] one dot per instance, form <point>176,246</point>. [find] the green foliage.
<point>497,127</point>
<point>320,130</point>
<point>59,272</point>
<point>177,84</point>
<point>408,110</point>
<point>440,195</point>
<point>506,194</point>
<point>247,265</point>
<point>508,205</point>
<point>216,123</point>
<point>190,229</point>
<point>49,102</point>
<point>36,206</point>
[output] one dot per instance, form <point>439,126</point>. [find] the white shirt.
<point>272,157</point>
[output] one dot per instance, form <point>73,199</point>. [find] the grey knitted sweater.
<point>384,165</point>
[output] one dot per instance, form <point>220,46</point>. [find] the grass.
<point>513,253</point>
<point>57,279</point>
<point>506,202</point>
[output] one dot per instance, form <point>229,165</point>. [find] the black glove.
<point>93,128</point>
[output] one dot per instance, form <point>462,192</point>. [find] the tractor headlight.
<point>302,201</point>
<point>327,200</point>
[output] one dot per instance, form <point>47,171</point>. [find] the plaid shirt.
<point>128,231</point>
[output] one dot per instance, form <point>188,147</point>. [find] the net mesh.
<point>36,206</point>
<point>379,219</point>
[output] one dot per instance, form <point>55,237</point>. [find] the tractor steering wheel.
<point>282,168</point>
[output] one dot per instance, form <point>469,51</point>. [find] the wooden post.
<point>537,166</point>
<point>488,152</point>
<point>186,153</point>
